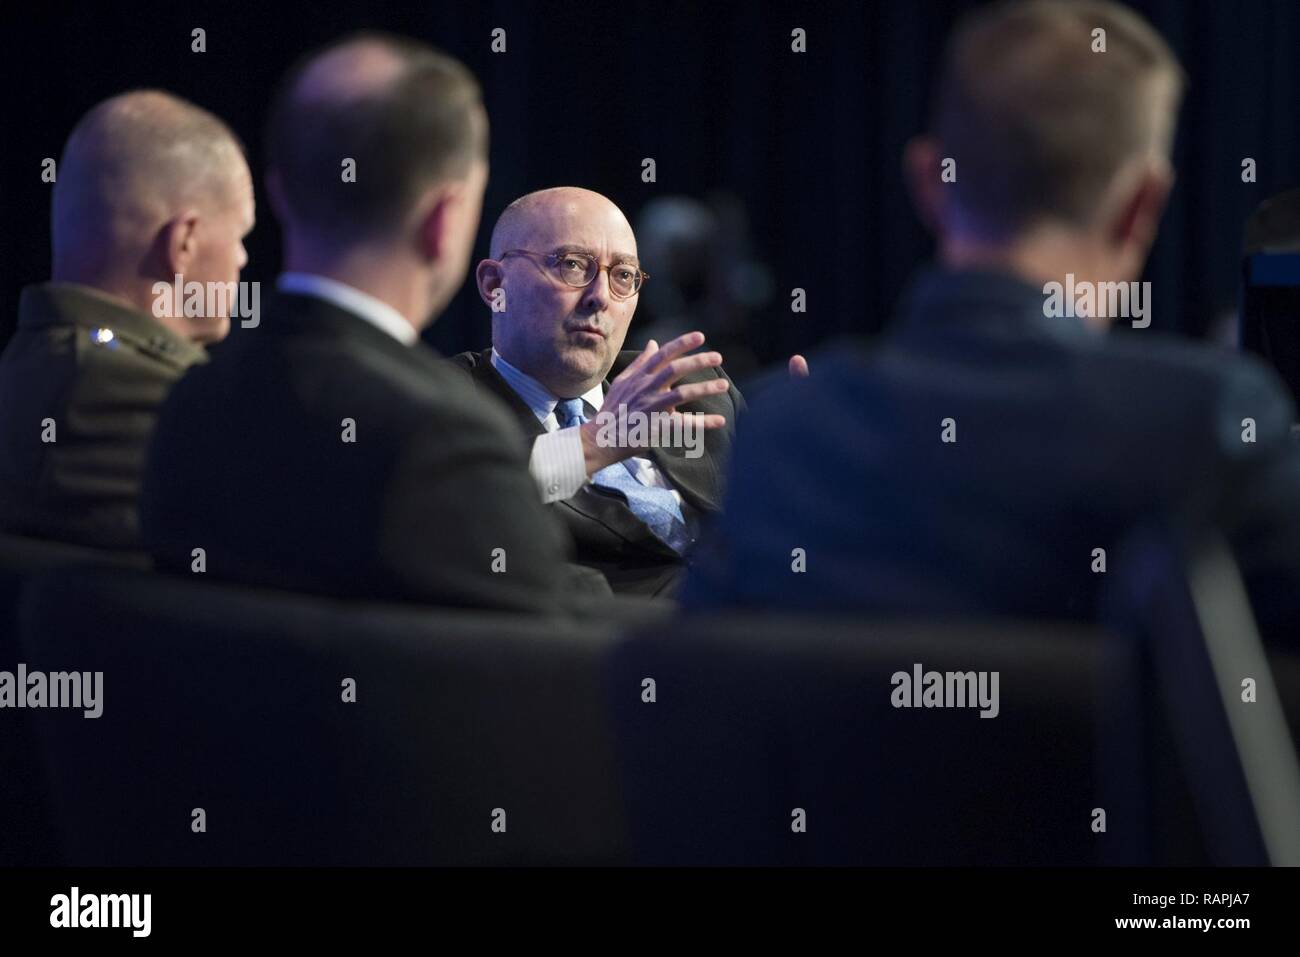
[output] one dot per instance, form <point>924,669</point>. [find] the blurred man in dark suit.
<point>330,450</point>
<point>150,190</point>
<point>563,281</point>
<point>981,457</point>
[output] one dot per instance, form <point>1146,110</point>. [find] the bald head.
<point>565,336</point>
<point>405,115</point>
<point>561,214</point>
<point>151,187</point>
<point>131,164</point>
<point>352,71</point>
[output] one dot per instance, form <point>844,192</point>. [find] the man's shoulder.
<point>97,368</point>
<point>1167,369</point>
<point>413,387</point>
<point>1177,356</point>
<point>1125,379</point>
<point>475,370</point>
<point>1154,363</point>
<point>105,354</point>
<point>410,399</point>
<point>102,331</point>
<point>322,372</point>
<point>473,362</point>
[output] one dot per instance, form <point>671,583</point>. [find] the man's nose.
<point>595,297</point>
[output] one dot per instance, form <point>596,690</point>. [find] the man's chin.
<point>586,362</point>
<point>212,331</point>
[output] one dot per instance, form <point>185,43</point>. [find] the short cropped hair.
<point>137,157</point>
<point>425,127</point>
<point>1037,121</point>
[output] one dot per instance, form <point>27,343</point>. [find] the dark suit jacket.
<point>1065,440</point>
<point>609,537</point>
<point>248,462</point>
<point>99,369</point>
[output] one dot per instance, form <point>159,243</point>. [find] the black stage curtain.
<point>807,145</point>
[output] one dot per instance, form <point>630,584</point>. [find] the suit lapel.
<point>611,511</point>
<point>593,504</point>
<point>485,373</point>
<point>695,478</point>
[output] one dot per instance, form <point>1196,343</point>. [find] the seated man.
<point>562,283</point>
<point>330,450</point>
<point>150,189</point>
<point>987,455</point>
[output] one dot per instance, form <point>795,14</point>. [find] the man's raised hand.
<point>646,386</point>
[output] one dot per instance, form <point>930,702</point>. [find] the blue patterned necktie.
<point>658,508</point>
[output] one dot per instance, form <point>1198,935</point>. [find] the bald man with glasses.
<point>562,283</point>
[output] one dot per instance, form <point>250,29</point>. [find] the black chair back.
<point>756,719</point>
<point>231,701</point>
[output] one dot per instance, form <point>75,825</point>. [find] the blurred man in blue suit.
<point>986,456</point>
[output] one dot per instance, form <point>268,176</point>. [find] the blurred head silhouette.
<point>377,164</point>
<point>1054,122</point>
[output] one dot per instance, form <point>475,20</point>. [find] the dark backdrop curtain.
<point>808,143</point>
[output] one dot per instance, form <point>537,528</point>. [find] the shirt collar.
<point>535,395</point>
<point>374,311</point>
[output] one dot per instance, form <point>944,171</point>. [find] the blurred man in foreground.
<point>978,459</point>
<point>332,451</point>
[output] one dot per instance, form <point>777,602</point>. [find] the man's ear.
<point>488,277</point>
<point>179,242</point>
<point>438,221</point>
<point>1137,217</point>
<point>921,171</point>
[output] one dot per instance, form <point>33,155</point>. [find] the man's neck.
<point>561,390</point>
<point>1037,257</point>
<point>133,295</point>
<point>371,274</point>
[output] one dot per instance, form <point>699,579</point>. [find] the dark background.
<point>809,143</point>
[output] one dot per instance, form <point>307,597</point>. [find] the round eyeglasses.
<point>579,269</point>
